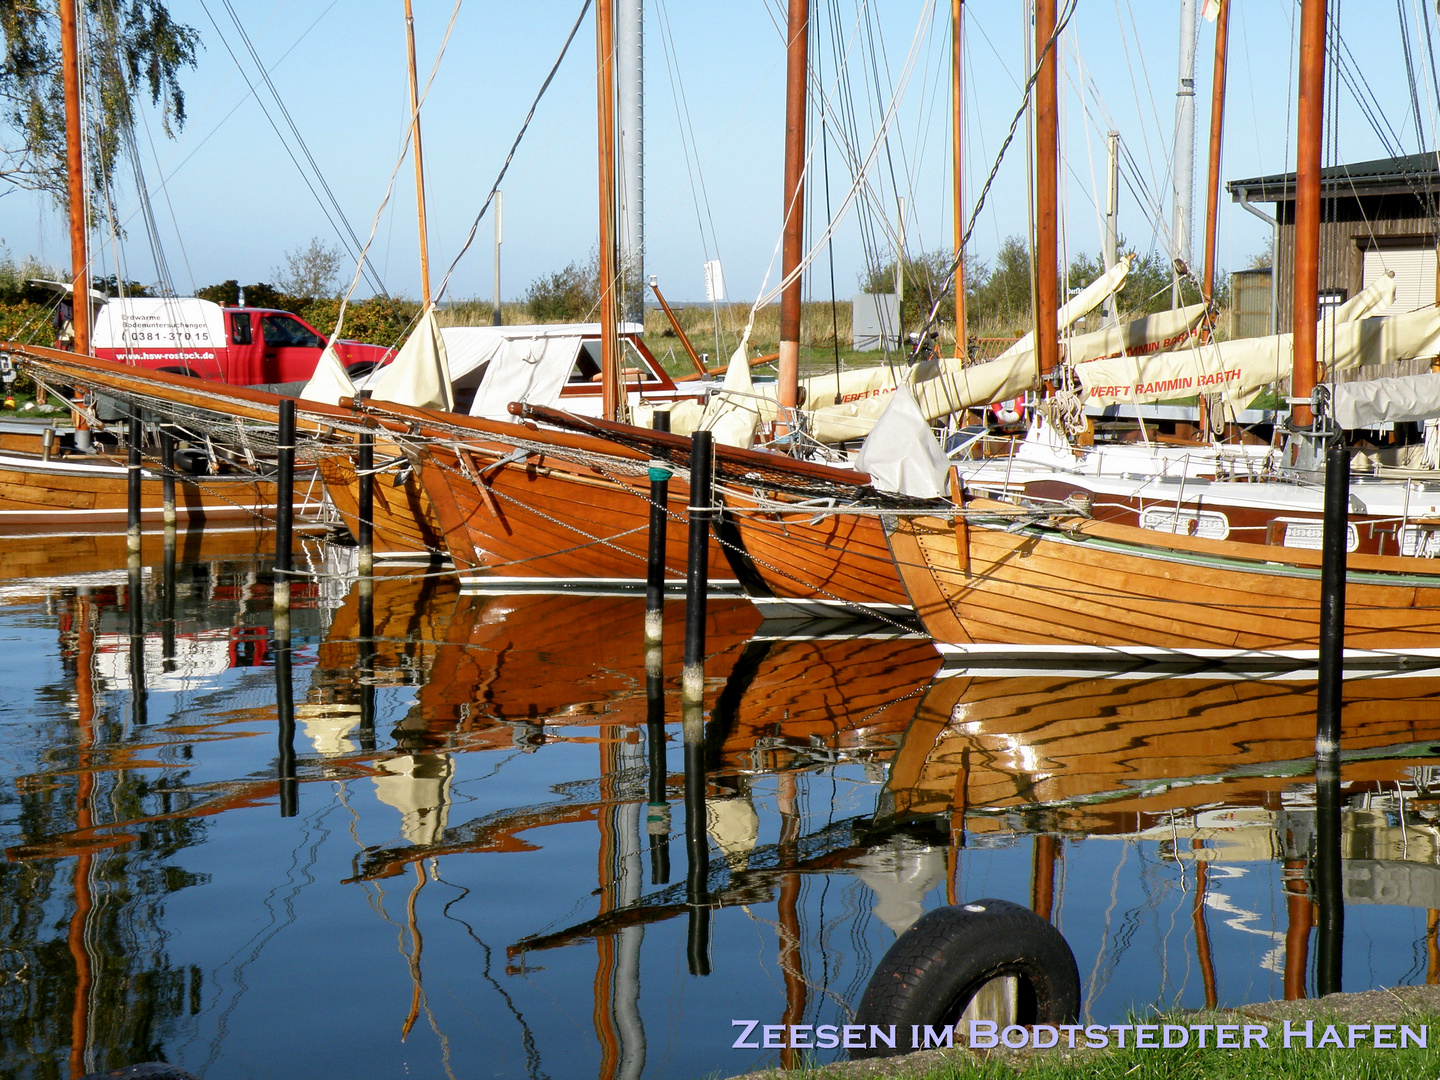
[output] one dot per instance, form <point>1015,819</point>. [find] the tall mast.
<point>605,117</point>
<point>419,160</point>
<point>1184,149</point>
<point>1307,203</point>
<point>1112,211</point>
<point>1047,155</point>
<point>75,171</point>
<point>1217,120</point>
<point>796,60</point>
<point>957,8</point>
<point>630,94</point>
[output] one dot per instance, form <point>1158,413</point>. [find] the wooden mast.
<point>1047,154</point>
<point>797,55</point>
<point>419,160</point>
<point>605,110</point>
<point>957,8</point>
<point>1217,119</point>
<point>1307,204</point>
<point>75,170</point>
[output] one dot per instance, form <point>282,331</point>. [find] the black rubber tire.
<point>935,968</point>
<point>361,368</point>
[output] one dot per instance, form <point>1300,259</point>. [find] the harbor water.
<point>444,834</point>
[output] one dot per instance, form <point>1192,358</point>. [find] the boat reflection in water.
<point>470,842</point>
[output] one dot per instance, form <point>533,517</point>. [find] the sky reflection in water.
<point>471,884</point>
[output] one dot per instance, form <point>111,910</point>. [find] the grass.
<point>1187,1063</point>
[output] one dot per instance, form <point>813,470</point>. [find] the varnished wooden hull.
<point>551,520</point>
<point>1077,584</point>
<point>836,565</point>
<point>403,525</point>
<point>70,492</point>
<point>1087,753</point>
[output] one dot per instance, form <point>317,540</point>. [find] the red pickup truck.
<point>239,346</point>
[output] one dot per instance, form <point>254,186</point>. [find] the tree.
<point>135,47</point>
<point>568,295</point>
<point>310,271</point>
<point>926,274</point>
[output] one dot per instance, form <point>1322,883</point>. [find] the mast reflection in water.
<point>483,874</point>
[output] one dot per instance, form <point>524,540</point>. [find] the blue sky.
<point>233,203</point>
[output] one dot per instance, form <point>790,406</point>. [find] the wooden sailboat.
<point>1000,574</point>
<point>54,487</point>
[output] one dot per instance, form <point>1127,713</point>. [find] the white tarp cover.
<point>517,363</point>
<point>330,382</point>
<point>144,323</point>
<point>901,453</point>
<point>420,375</point>
<point>1378,401</point>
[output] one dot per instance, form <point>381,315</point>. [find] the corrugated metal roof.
<point>1409,174</point>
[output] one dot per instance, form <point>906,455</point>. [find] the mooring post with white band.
<point>364,529</point>
<point>1329,884</point>
<point>660,472</point>
<point>132,485</point>
<point>284,515</point>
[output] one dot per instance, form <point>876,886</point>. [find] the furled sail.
<point>1239,369</point>
<point>420,375</point>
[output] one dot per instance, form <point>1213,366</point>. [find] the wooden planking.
<point>404,522</point>
<point>837,557</point>
<point>1041,589</point>
<point>551,518</point>
<point>32,494</point>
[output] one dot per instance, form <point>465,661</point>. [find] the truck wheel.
<point>938,965</point>
<point>361,369</point>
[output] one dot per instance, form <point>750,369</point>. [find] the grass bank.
<point>1416,1007</point>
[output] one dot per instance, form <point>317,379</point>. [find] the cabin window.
<point>587,363</point>
<point>285,331</point>
<point>240,328</point>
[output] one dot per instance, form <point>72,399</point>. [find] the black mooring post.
<point>285,730</point>
<point>135,601</point>
<point>660,472</point>
<point>365,475</point>
<point>702,458</point>
<point>132,478</point>
<point>657,811</point>
<point>692,701</point>
<point>284,514</point>
<point>1329,878</point>
<point>366,660</point>
<point>1332,599</point>
<point>1329,883</point>
<point>167,473</point>
<point>697,851</point>
<point>167,604</point>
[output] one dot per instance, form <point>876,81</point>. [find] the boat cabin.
<point>556,365</point>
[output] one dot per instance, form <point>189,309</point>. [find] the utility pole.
<point>630,78</point>
<point>495,319</point>
<point>1184,150</point>
<point>1112,210</point>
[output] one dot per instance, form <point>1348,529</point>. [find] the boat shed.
<point>1374,216</point>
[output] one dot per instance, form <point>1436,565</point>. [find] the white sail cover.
<point>942,386</point>
<point>731,415</point>
<point>420,375</point>
<point>901,453</point>
<point>1379,401</point>
<point>330,381</point>
<point>1239,369</point>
